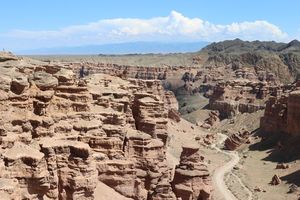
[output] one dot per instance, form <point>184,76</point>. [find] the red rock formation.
<point>59,136</point>
<point>72,172</point>
<point>293,113</point>
<point>174,115</point>
<point>191,179</point>
<point>275,116</point>
<point>212,120</point>
<point>237,139</point>
<point>275,180</point>
<point>239,96</point>
<point>282,113</point>
<point>127,71</point>
<point>150,115</point>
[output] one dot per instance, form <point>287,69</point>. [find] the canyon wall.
<point>60,136</point>
<point>282,112</point>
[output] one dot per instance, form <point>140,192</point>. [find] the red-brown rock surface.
<point>211,120</point>
<point>282,113</point>
<point>275,116</point>
<point>293,113</point>
<point>60,136</point>
<point>237,139</point>
<point>191,179</point>
<point>240,96</point>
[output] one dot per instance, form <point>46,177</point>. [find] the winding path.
<point>219,173</point>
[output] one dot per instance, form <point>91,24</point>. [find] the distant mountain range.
<point>120,48</point>
<point>238,46</point>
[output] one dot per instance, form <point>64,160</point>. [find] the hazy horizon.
<point>36,25</point>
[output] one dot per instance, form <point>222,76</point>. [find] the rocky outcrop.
<point>191,179</point>
<point>72,171</point>
<point>235,140</point>
<point>174,115</point>
<point>275,115</point>
<point>293,113</point>
<point>44,81</point>
<point>282,113</point>
<point>28,166</point>
<point>9,189</point>
<point>150,116</point>
<point>275,180</point>
<point>241,96</point>
<point>212,120</point>
<point>59,135</point>
<point>128,71</point>
<point>7,56</point>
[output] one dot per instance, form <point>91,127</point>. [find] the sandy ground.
<point>222,174</point>
<point>248,121</point>
<point>219,173</point>
<point>256,172</point>
<point>103,192</point>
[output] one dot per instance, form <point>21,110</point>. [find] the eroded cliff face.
<point>293,113</point>
<point>191,179</point>
<point>60,135</point>
<point>229,90</point>
<point>244,94</point>
<point>282,113</point>
<point>164,72</point>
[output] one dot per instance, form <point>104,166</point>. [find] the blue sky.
<point>35,24</point>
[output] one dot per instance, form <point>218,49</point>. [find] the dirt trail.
<point>219,173</point>
<point>187,136</point>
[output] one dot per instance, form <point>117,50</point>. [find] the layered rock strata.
<point>191,179</point>
<point>60,135</point>
<point>237,139</point>
<point>241,96</point>
<point>282,113</point>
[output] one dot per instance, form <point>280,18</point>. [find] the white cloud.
<point>175,27</point>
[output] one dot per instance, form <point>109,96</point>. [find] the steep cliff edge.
<point>60,135</point>
<point>282,112</point>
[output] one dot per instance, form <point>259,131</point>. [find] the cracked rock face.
<point>60,136</point>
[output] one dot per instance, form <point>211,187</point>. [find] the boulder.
<point>19,83</point>
<point>235,140</point>
<point>275,180</point>
<point>44,81</point>
<point>65,76</point>
<point>282,166</point>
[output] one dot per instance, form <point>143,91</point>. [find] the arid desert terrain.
<point>220,123</point>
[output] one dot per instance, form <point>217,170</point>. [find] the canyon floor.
<point>247,172</point>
